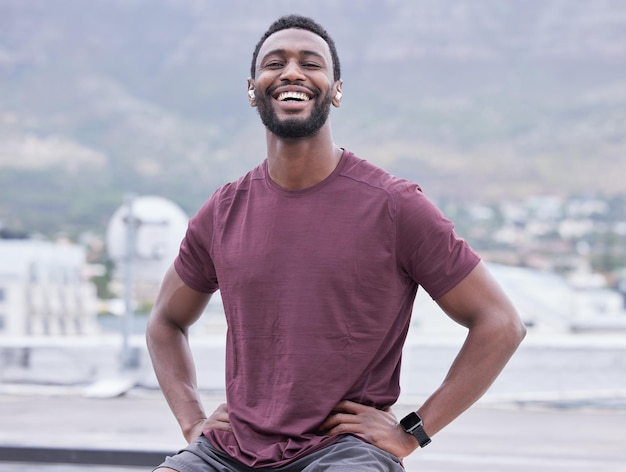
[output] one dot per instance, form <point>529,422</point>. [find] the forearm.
<point>486,351</point>
<point>175,370</point>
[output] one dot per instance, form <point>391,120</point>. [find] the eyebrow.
<point>302,53</point>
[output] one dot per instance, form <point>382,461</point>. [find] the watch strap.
<point>421,436</point>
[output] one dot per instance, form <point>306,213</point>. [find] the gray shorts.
<point>347,454</point>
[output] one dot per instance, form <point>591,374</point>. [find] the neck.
<point>296,164</point>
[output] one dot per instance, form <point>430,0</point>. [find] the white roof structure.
<point>158,228</point>
<point>43,290</point>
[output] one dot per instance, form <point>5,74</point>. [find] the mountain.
<point>474,100</point>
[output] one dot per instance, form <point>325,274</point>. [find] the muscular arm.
<point>495,332</point>
<point>177,307</point>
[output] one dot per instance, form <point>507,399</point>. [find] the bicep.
<point>477,298</point>
<point>177,303</point>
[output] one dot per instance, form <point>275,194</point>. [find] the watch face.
<point>410,421</point>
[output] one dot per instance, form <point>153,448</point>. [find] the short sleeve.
<point>429,250</point>
<point>194,264</point>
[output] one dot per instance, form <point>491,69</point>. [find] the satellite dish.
<point>158,228</point>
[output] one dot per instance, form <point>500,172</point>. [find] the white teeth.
<point>293,96</point>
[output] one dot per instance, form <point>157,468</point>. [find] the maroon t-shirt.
<point>318,287</point>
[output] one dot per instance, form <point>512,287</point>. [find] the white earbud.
<point>338,95</point>
<point>251,93</point>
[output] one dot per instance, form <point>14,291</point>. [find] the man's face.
<point>294,84</point>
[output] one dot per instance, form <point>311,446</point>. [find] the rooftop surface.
<point>495,437</point>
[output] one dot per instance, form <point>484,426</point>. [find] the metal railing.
<point>113,457</point>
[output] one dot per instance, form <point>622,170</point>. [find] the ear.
<point>251,96</point>
<point>337,93</point>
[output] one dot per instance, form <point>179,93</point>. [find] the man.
<point>318,255</point>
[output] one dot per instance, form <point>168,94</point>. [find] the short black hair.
<point>299,22</point>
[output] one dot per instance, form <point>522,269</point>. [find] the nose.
<point>292,71</point>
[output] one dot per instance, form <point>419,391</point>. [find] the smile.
<point>293,96</point>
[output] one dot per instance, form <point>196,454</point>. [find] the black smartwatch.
<point>412,424</point>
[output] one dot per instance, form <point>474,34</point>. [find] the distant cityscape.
<point>582,238</point>
<point>59,286</point>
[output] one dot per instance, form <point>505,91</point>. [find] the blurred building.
<point>143,238</point>
<point>43,290</point>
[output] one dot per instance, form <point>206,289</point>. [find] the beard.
<point>294,127</point>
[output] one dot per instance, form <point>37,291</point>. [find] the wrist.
<point>193,430</point>
<point>412,424</point>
